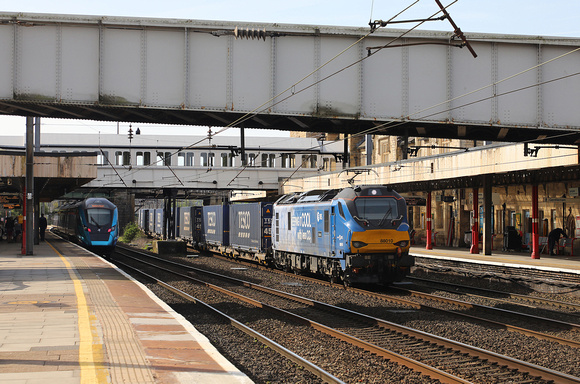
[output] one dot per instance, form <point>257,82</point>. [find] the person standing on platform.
<point>554,237</point>
<point>9,228</point>
<point>42,224</point>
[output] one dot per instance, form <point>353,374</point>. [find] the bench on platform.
<point>543,244</point>
<point>565,242</point>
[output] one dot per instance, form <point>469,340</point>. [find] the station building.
<point>453,171</point>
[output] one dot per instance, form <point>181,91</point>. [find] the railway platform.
<point>68,316</point>
<point>566,263</point>
<point>558,273</point>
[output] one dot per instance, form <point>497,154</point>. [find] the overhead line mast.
<point>380,23</point>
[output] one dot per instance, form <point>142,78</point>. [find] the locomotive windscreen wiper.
<point>97,224</point>
<point>359,219</point>
<point>386,216</point>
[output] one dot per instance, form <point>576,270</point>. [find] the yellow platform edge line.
<point>91,358</point>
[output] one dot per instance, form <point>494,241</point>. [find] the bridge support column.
<point>475,226</point>
<point>487,227</point>
<point>428,223</point>
<point>28,225</point>
<point>535,232</point>
<point>243,147</point>
<point>169,213</point>
<point>35,197</point>
<point>125,202</point>
<point>405,146</point>
<point>345,159</point>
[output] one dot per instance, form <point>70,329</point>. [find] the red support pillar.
<point>475,227</point>
<point>23,225</point>
<point>428,220</point>
<point>535,231</point>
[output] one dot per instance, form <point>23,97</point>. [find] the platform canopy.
<point>55,174</point>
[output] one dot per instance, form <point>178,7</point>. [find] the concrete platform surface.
<point>68,316</point>
<point>556,263</point>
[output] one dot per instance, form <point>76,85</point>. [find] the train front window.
<point>99,216</point>
<point>377,211</point>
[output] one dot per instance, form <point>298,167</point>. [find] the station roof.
<point>54,174</point>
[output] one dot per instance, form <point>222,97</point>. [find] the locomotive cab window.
<point>341,211</point>
<point>379,211</point>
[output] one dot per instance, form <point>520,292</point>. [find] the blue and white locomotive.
<point>357,234</point>
<point>93,223</point>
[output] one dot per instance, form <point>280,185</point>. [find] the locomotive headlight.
<point>359,244</point>
<point>402,243</point>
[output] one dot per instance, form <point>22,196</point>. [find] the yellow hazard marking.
<point>91,358</point>
<point>27,302</point>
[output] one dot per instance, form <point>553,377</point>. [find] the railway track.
<point>431,353</point>
<point>533,302</point>
<point>281,329</point>
<point>482,314</point>
<point>304,363</point>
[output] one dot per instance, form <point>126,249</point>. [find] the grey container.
<point>186,222</point>
<point>151,221</point>
<point>159,221</point>
<point>250,226</point>
<point>216,224</point>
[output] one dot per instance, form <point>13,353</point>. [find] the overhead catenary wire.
<point>394,124</point>
<point>291,88</point>
<point>390,125</point>
<point>257,110</point>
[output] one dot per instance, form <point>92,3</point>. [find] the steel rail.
<point>532,299</point>
<point>480,320</point>
<point>417,366</point>
<point>312,368</point>
<point>532,319</point>
<point>521,366</point>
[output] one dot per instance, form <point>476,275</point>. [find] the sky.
<point>525,17</point>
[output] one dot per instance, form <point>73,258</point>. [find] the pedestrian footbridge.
<point>148,164</point>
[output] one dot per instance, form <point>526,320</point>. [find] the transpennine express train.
<point>92,223</point>
<point>359,235</point>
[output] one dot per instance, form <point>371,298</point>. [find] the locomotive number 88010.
<point>357,234</point>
